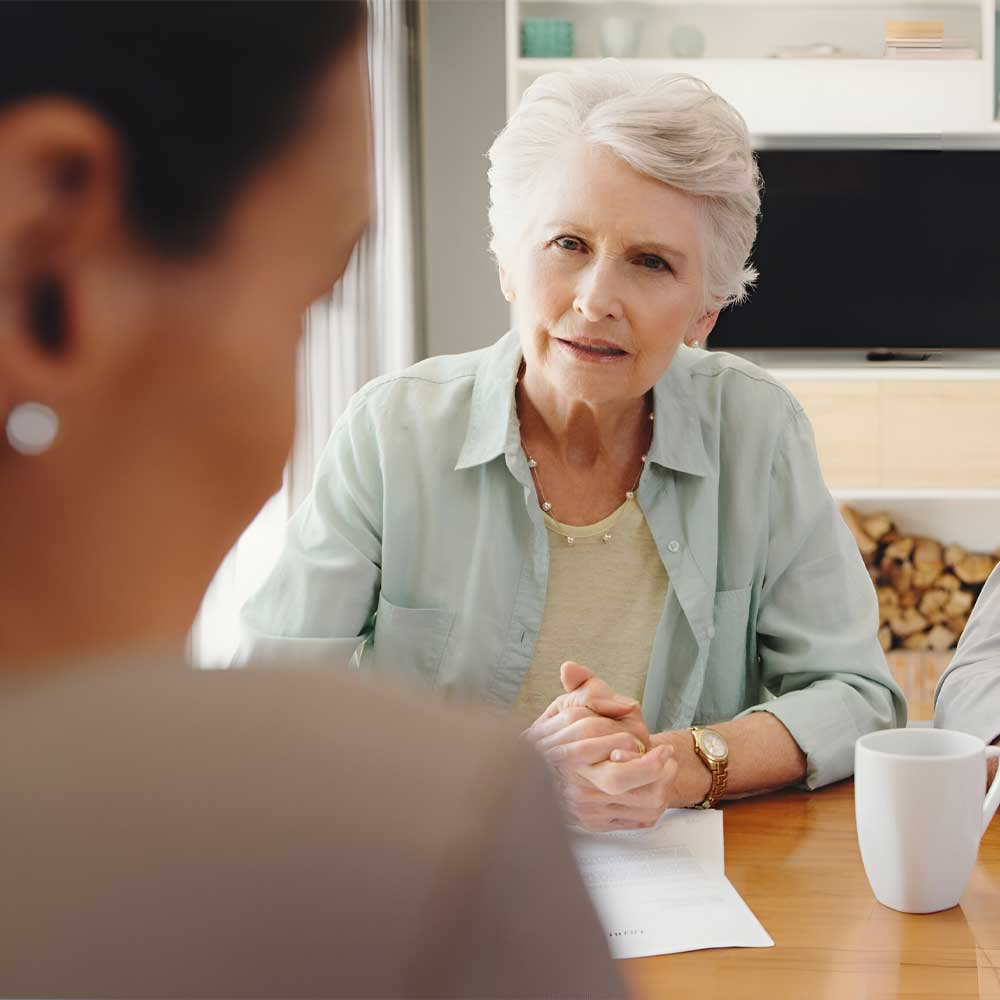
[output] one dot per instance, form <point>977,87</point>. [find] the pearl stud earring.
<point>31,428</point>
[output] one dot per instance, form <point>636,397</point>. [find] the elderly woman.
<point>594,512</point>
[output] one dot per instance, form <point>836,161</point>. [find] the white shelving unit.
<point>834,96</point>
<point>797,97</point>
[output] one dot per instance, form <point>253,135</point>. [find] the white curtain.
<point>368,324</point>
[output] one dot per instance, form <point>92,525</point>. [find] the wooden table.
<point>794,858</point>
<point>917,674</point>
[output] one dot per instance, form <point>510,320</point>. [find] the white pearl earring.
<point>695,343</point>
<point>31,428</point>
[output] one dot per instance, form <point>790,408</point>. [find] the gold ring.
<point>640,747</point>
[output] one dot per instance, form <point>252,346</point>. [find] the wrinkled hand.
<point>596,739</point>
<point>628,792</point>
<point>585,690</point>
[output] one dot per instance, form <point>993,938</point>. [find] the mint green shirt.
<point>423,539</point>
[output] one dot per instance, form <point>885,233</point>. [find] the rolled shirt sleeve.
<point>319,600</point>
<point>817,620</point>
<point>968,694</point>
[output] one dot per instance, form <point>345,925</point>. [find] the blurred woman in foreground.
<point>177,182</point>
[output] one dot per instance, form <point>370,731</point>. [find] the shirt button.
<point>673,545</point>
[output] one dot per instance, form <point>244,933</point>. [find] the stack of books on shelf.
<point>923,40</point>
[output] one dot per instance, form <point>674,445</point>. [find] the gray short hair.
<point>673,128</point>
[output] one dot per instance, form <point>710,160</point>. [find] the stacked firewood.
<point>926,590</point>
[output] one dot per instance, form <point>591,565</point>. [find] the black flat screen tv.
<point>873,250</point>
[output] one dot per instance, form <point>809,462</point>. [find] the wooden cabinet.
<point>893,434</point>
<point>940,434</point>
<point>845,419</point>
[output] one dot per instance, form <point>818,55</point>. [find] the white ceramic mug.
<point>919,808</point>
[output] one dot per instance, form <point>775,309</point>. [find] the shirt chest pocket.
<point>408,641</point>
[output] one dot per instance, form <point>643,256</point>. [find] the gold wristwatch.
<point>713,751</point>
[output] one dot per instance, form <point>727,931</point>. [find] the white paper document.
<point>665,890</point>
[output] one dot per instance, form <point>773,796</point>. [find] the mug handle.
<point>993,795</point>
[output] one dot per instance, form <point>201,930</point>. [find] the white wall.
<point>463,107</point>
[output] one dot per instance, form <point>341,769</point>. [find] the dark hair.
<point>199,92</point>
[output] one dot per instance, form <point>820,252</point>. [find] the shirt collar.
<point>493,426</point>
<point>678,442</point>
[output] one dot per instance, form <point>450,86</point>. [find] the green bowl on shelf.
<point>546,38</point>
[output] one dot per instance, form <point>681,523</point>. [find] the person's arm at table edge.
<point>967,697</point>
<point>784,741</point>
<point>817,620</point>
<point>763,756</point>
<point>806,733</point>
<point>318,600</point>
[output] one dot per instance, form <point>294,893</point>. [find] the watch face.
<point>713,744</point>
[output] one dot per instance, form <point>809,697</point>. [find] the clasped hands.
<point>613,775</point>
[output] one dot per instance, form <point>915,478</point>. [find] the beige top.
<point>603,603</point>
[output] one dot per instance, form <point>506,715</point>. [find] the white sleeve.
<point>968,695</point>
